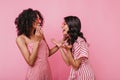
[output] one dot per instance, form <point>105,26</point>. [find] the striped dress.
<point>80,49</point>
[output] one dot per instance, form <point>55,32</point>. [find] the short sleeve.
<point>80,49</point>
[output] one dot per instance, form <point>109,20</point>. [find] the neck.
<point>32,34</point>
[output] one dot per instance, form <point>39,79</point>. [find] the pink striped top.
<point>80,49</point>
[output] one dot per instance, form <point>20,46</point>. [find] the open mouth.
<point>63,30</point>
<point>39,25</point>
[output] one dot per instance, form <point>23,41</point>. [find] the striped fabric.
<point>80,49</point>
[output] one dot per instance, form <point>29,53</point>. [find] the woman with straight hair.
<point>74,49</point>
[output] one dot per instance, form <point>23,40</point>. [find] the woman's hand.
<point>67,47</point>
<point>59,44</point>
<point>62,44</point>
<point>38,34</point>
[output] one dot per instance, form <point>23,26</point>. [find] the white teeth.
<point>38,24</point>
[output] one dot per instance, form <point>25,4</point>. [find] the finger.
<point>54,41</point>
<point>38,31</point>
<point>57,43</point>
<point>69,46</point>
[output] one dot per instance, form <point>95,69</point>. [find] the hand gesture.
<point>59,44</point>
<point>67,47</point>
<point>38,34</point>
<point>62,44</point>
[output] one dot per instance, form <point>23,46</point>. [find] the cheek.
<point>34,26</point>
<point>65,30</point>
<point>65,33</point>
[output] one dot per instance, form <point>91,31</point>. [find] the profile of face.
<point>37,27</point>
<point>37,22</point>
<point>65,29</point>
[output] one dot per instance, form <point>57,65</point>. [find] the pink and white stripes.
<point>79,50</point>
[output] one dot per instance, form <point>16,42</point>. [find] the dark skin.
<point>35,37</point>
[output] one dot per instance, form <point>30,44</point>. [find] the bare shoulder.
<point>20,39</point>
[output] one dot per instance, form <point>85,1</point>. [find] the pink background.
<point>100,24</point>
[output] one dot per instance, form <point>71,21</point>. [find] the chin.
<point>64,35</point>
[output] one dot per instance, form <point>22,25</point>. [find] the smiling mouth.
<point>63,30</point>
<point>38,24</point>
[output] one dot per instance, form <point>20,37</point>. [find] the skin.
<point>65,50</point>
<point>35,38</point>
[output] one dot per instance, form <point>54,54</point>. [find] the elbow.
<point>76,67</point>
<point>30,63</point>
<point>50,53</point>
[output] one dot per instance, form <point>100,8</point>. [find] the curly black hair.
<point>74,25</point>
<point>24,21</point>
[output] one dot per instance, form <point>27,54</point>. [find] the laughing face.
<point>65,29</point>
<point>37,22</point>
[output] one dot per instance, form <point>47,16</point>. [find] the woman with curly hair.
<point>74,49</point>
<point>32,44</point>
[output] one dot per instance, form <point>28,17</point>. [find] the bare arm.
<point>67,55</point>
<point>30,58</point>
<point>82,50</point>
<point>64,56</point>
<point>68,58</point>
<point>53,50</point>
<point>75,63</point>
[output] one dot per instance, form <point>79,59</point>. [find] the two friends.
<point>33,46</point>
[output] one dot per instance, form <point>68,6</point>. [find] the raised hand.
<point>67,47</point>
<point>39,34</point>
<point>59,44</point>
<point>62,44</point>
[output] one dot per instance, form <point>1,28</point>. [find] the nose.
<point>62,25</point>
